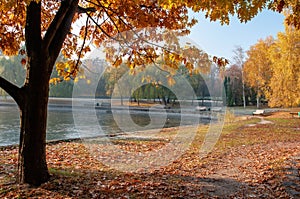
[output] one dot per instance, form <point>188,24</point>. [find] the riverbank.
<point>250,160</point>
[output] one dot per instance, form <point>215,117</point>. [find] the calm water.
<point>61,123</point>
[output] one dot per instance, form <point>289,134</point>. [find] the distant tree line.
<point>13,70</point>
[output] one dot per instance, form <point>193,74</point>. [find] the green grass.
<point>238,133</point>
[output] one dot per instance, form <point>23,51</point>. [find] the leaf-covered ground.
<point>252,159</point>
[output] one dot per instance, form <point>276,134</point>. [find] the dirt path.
<point>251,172</point>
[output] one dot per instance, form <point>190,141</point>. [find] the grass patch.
<point>231,127</point>
<point>66,173</point>
<point>238,133</point>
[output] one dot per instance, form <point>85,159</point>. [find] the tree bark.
<point>32,150</point>
<point>32,98</point>
<point>41,55</point>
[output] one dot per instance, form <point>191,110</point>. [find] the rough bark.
<point>32,150</point>
<point>32,98</point>
<point>41,54</point>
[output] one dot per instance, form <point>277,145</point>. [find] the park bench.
<point>259,112</point>
<point>216,109</point>
<point>201,108</point>
<point>295,114</point>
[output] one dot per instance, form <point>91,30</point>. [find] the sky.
<point>221,40</point>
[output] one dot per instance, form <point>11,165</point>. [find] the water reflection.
<point>61,123</point>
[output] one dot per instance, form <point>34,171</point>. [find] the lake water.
<point>61,123</point>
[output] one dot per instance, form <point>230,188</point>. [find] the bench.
<point>259,112</point>
<point>295,114</point>
<point>201,108</point>
<point>216,109</point>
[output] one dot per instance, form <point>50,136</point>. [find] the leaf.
<point>171,81</point>
<point>23,61</point>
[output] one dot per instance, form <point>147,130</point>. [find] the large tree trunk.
<point>32,150</point>
<point>32,98</point>
<point>32,166</point>
<point>32,161</point>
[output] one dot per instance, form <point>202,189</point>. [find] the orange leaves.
<point>118,62</point>
<point>12,21</point>
<point>220,61</point>
<point>258,162</point>
<point>23,61</point>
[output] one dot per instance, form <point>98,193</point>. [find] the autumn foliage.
<point>48,28</point>
<point>273,68</point>
<point>98,21</point>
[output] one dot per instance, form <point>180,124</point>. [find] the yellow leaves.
<point>55,80</point>
<point>11,16</point>
<point>60,66</point>
<point>171,81</point>
<point>131,65</point>
<point>168,5</point>
<point>273,68</point>
<point>68,70</point>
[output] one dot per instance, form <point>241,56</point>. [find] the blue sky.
<point>221,40</point>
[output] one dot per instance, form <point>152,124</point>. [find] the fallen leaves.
<point>248,162</point>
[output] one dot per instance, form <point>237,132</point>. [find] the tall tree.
<point>239,60</point>
<point>234,85</point>
<point>46,28</point>
<point>258,68</point>
<point>112,76</point>
<point>285,81</point>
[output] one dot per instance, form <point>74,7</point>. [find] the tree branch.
<point>56,23</point>
<point>85,10</point>
<point>11,89</point>
<point>102,30</point>
<point>56,35</point>
<point>83,44</point>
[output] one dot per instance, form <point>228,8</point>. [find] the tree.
<point>239,58</point>
<point>46,28</point>
<point>285,59</point>
<point>234,85</point>
<point>112,75</point>
<point>272,68</point>
<point>258,68</point>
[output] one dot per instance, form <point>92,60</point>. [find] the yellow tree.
<point>46,28</point>
<point>285,81</point>
<point>258,68</point>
